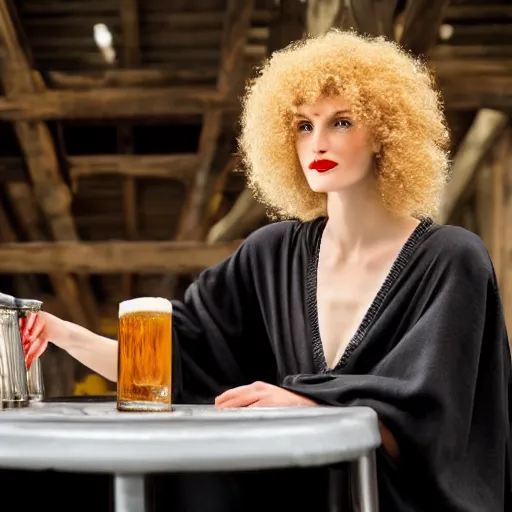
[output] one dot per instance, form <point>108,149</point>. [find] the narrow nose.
<point>320,141</point>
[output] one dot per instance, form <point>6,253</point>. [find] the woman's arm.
<point>96,352</point>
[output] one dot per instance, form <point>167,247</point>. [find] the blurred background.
<point>118,169</point>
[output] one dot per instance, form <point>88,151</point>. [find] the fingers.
<point>37,328</point>
<point>241,396</point>
<point>35,350</point>
<point>243,400</point>
<point>28,323</point>
<point>33,339</point>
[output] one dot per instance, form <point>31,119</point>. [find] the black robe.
<point>431,357</point>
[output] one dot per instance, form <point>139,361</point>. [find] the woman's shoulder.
<point>459,246</point>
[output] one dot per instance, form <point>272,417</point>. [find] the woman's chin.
<point>325,188</point>
<point>324,185</point>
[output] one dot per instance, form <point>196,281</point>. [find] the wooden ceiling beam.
<point>478,12</point>
<point>480,138</point>
<point>493,92</point>
<point>375,17</point>
<point>444,51</point>
<point>112,257</point>
<point>194,19</point>
<point>113,78</point>
<point>65,286</point>
<point>453,69</point>
<point>230,226</point>
<point>24,286</point>
<point>113,103</point>
<point>422,19</point>
<point>52,194</point>
<point>180,167</point>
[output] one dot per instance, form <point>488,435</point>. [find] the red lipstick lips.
<point>322,165</point>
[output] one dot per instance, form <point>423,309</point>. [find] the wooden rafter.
<point>180,167</point>
<point>112,257</point>
<point>230,227</point>
<point>112,103</point>
<point>375,17</point>
<point>129,78</point>
<point>52,194</point>
<point>24,285</point>
<point>236,26</point>
<point>106,103</point>
<point>422,19</point>
<point>288,26</point>
<point>485,130</point>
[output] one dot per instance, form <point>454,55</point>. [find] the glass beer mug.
<point>144,355</point>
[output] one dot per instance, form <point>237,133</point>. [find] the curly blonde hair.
<point>392,92</point>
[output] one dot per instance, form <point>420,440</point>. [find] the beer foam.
<point>145,304</point>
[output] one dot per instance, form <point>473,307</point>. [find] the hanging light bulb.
<point>103,39</point>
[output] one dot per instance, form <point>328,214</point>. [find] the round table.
<point>95,437</point>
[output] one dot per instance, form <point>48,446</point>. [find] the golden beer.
<point>145,355</point>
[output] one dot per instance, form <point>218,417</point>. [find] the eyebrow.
<point>337,113</point>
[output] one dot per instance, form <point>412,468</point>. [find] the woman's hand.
<point>36,330</point>
<point>260,394</point>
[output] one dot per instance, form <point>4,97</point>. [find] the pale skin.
<point>360,242</point>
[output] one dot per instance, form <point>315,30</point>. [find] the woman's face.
<point>335,151</point>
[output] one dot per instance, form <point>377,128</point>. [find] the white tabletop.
<point>96,437</point>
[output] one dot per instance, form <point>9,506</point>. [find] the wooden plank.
<point>24,204</point>
<point>485,130</point>
<point>452,69</point>
<point>493,92</point>
<point>197,19</point>
<point>129,11</point>
<point>478,12</point>
<point>506,220</point>
<point>231,227</point>
<point>216,197</point>
<point>181,167</point>
<point>484,204</point>
<point>474,51</point>
<point>422,19</point>
<point>113,103</point>
<point>67,289</point>
<point>52,194</point>
<point>498,207</point>
<point>130,78</point>
<point>24,286</point>
<point>375,17</point>
<point>112,257</point>
<point>70,7</point>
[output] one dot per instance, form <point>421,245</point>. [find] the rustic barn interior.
<point>118,121</point>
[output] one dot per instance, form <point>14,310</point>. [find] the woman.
<point>356,297</point>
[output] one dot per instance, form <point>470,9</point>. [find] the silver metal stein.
<point>35,373</point>
<point>13,371</point>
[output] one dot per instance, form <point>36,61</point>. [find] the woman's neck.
<point>358,219</point>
